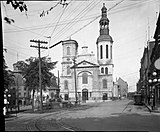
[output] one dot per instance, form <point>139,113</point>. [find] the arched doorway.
<point>85,94</point>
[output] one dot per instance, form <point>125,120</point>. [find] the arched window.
<point>84,78</point>
<point>68,50</point>
<point>106,51</point>
<point>102,70</point>
<point>111,51</point>
<point>104,83</point>
<point>65,84</point>
<point>68,70</point>
<point>101,52</point>
<point>106,70</point>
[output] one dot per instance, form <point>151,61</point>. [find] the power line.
<point>44,26</point>
<point>43,32</point>
<point>79,16</point>
<point>27,30</point>
<point>58,21</point>
<point>39,27</point>
<point>93,21</point>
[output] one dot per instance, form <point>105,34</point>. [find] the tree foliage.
<point>7,74</point>
<point>30,71</point>
<point>16,5</point>
<point>61,2</point>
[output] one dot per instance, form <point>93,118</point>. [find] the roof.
<point>104,38</point>
<point>158,26</point>
<point>70,41</point>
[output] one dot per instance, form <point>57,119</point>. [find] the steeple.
<point>104,26</point>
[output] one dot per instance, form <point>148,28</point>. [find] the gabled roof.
<point>85,64</point>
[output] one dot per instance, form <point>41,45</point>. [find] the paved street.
<point>110,116</point>
<point>114,116</point>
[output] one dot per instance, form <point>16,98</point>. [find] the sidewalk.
<point>15,114</point>
<point>157,110</point>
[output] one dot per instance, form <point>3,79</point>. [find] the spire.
<point>104,22</point>
<point>104,26</point>
<point>104,11</point>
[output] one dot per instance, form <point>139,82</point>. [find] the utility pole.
<point>40,79</point>
<point>74,61</point>
<point>58,85</point>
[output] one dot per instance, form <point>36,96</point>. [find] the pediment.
<point>85,64</point>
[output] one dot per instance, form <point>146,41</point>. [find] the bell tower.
<point>70,48</point>
<point>104,43</point>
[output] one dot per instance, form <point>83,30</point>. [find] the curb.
<point>150,110</point>
<point>155,111</point>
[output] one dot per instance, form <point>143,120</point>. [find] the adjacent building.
<point>22,93</point>
<point>149,82</point>
<point>123,88</point>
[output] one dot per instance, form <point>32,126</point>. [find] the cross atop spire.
<point>104,10</point>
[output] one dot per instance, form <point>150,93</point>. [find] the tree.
<point>16,5</point>
<point>8,75</point>
<point>30,69</point>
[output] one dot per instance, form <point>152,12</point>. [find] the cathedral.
<point>86,76</point>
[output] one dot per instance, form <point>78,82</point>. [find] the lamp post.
<point>153,81</point>
<point>7,95</point>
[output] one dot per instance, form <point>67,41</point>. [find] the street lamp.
<point>152,81</point>
<point>7,95</point>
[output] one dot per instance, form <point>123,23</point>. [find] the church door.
<point>85,94</point>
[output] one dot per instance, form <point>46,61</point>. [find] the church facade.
<point>87,76</point>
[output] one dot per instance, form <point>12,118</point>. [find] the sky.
<point>132,23</point>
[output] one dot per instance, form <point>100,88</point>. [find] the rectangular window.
<point>104,83</point>
<point>65,84</point>
<point>106,51</point>
<point>90,94</point>
<point>66,97</point>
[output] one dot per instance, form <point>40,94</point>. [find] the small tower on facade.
<point>104,52</point>
<point>70,49</point>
